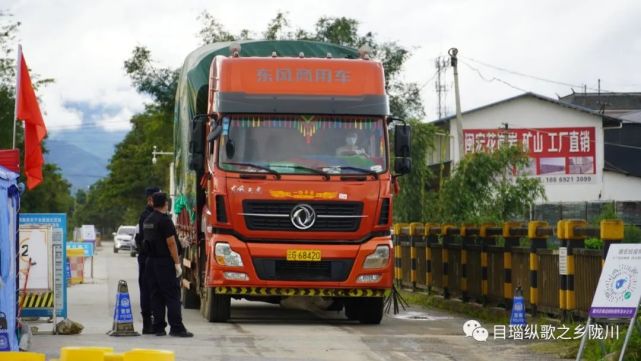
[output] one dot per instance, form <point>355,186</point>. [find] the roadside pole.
<point>453,52</point>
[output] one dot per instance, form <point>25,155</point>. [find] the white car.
<point>124,238</point>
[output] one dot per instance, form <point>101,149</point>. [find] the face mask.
<point>350,140</point>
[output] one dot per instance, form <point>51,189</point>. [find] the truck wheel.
<point>190,299</point>
<point>351,311</point>
<point>115,249</point>
<point>370,311</point>
<point>217,307</point>
<point>132,253</point>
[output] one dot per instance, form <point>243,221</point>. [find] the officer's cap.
<point>159,199</point>
<point>149,191</point>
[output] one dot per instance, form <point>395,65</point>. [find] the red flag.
<point>27,110</point>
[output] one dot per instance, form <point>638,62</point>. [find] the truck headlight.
<point>378,259</point>
<point>225,256</point>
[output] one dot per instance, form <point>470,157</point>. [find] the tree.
<point>413,202</point>
<point>489,187</point>
<point>159,83</point>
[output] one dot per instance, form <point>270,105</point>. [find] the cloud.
<point>58,117</point>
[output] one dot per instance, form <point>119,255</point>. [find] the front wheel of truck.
<point>217,307</point>
<point>370,310</point>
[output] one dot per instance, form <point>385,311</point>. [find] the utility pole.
<point>453,52</point>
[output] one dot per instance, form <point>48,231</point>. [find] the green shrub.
<point>631,234</point>
<point>593,243</point>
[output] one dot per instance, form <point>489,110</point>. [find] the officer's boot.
<point>147,326</point>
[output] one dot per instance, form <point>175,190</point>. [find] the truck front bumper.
<point>350,284</point>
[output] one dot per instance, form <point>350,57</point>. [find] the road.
<point>260,331</point>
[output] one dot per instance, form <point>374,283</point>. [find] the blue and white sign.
<point>123,309</point>
<point>518,310</point>
<point>58,223</point>
<point>619,290</point>
<point>88,247</point>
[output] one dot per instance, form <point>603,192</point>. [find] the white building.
<point>565,143</point>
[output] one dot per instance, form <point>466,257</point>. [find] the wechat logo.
<point>473,328</point>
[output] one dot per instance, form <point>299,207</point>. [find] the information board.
<point>57,260</point>
<point>88,247</point>
<point>619,291</point>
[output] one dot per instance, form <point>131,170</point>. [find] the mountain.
<point>80,167</point>
<point>93,140</point>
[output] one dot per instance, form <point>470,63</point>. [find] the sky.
<point>505,47</point>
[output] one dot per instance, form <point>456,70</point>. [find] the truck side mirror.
<point>402,165</point>
<point>402,149</point>
<point>402,140</point>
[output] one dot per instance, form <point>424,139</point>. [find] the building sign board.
<point>619,290</point>
<point>557,155</point>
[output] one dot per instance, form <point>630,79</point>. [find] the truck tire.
<point>190,299</point>
<point>370,310</point>
<point>132,253</point>
<point>351,311</point>
<point>217,307</point>
<point>115,249</point>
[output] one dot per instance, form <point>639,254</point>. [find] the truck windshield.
<point>303,144</point>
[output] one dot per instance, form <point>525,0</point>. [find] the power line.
<point>551,81</point>
<point>428,80</point>
<point>493,79</point>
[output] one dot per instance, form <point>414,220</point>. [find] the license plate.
<point>304,255</point>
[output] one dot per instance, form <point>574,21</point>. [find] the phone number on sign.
<point>568,179</point>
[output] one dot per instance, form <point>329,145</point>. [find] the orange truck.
<point>283,185</point>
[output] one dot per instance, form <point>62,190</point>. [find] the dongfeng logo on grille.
<point>303,216</point>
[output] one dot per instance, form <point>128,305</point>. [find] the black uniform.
<point>145,296</point>
<point>161,274</point>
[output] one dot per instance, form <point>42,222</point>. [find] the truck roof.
<point>191,97</point>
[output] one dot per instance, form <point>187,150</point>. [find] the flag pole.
<point>15,113</point>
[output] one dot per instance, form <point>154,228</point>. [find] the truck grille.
<point>274,216</point>
<point>282,270</point>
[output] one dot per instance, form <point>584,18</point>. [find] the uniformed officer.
<point>145,297</point>
<point>163,269</point>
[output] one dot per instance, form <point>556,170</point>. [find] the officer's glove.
<point>179,270</point>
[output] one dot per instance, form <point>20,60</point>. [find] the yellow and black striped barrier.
<point>431,238</point>
<point>487,235</point>
<point>512,233</point>
<point>37,300</point>
<point>576,231</point>
<point>398,270</point>
<point>611,231</point>
<point>469,233</point>
<point>323,292</point>
<point>415,230</point>
<point>447,231</point>
<point>538,233</point>
<point>563,244</point>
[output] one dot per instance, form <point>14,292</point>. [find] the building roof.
<point>622,159</point>
<point>608,121</point>
<point>605,102</point>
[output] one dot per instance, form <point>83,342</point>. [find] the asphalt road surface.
<point>261,331</point>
